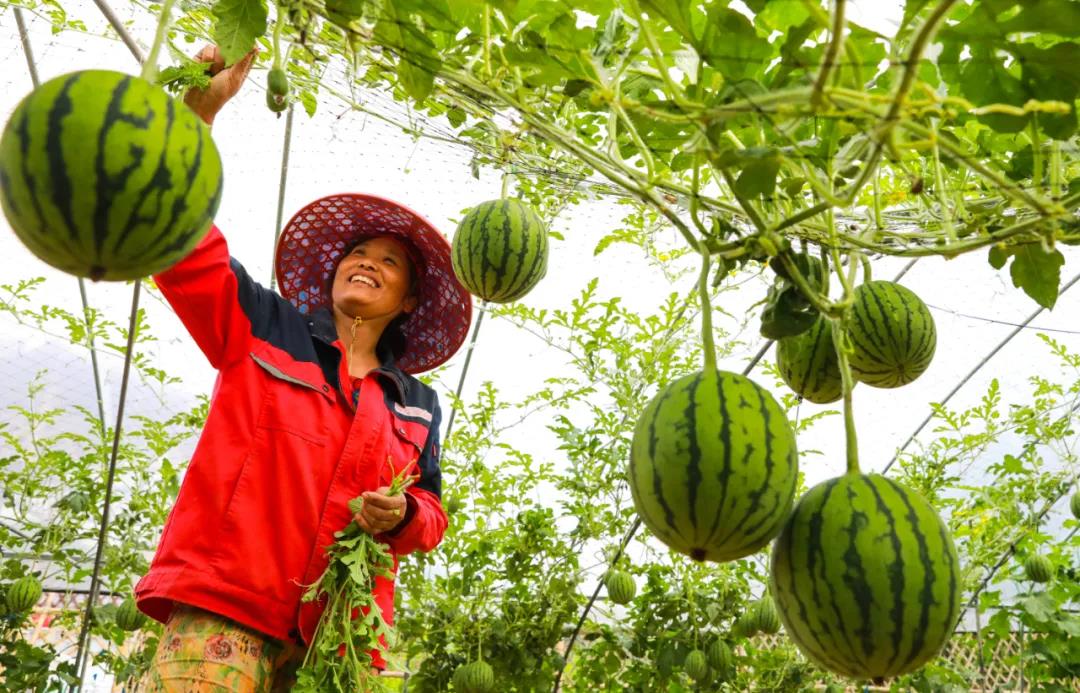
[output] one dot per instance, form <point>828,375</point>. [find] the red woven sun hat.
<point>317,236</point>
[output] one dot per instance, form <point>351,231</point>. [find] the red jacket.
<point>287,443</point>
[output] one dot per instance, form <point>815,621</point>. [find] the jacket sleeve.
<point>425,520</point>
<point>219,304</point>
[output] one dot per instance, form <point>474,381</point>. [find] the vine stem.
<point>939,185</point>
<point>841,343</point>
<point>149,69</point>
<point>558,136</point>
<point>827,64</point>
<point>278,23</point>
<point>707,342</point>
<point>487,40</point>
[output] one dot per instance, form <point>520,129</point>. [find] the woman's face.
<point>373,280</point>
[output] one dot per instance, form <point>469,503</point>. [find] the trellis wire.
<point>978,366</point>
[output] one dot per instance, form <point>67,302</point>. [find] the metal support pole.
<point>118,27</point>
<point>465,368</point>
<point>281,189</point>
<point>83,654</point>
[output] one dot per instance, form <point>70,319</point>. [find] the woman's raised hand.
<point>224,82</point>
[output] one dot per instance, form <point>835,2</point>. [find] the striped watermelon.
<point>765,617</point>
<point>474,677</point>
<point>620,586</point>
<point>892,334</point>
<point>696,665</point>
<point>808,363</point>
<point>103,175</point>
<point>865,577</point>
<point>22,595</point>
<point>128,616</point>
<point>720,657</point>
<point>713,466</point>
<point>1038,568</point>
<point>500,250</point>
<point>1074,505</point>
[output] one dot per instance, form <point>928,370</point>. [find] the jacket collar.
<point>323,329</point>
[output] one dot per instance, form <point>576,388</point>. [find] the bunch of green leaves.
<point>351,627</point>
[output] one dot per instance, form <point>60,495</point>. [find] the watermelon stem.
<point>707,343</point>
<point>843,346</point>
<point>279,22</point>
<point>150,69</point>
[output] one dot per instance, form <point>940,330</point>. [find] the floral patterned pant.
<point>201,652</point>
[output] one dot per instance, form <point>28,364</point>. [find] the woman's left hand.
<point>380,513</point>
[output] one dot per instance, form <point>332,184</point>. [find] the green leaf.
<point>238,23</point>
<point>732,46</point>
<point>1038,273</point>
<point>675,12</point>
<point>984,81</point>
<point>456,116</point>
<point>1041,606</point>
<point>417,60</point>
<point>1060,17</point>
<point>758,178</point>
<point>781,15</point>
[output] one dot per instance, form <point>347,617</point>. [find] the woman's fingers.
<point>211,54</point>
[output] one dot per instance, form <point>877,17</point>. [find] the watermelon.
<point>765,617</point>
<point>746,626</point>
<point>720,656</point>
<point>1038,568</point>
<point>105,176</point>
<point>865,577</point>
<point>22,595</point>
<point>128,616</point>
<point>1074,505</point>
<point>713,466</point>
<point>696,665</point>
<point>620,586</point>
<point>500,250</point>
<point>808,363</point>
<point>892,334</point>
<point>474,677</point>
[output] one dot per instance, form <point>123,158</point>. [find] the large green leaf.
<point>1033,269</point>
<point>732,45</point>
<point>417,60</point>
<point>985,81</point>
<point>675,12</point>
<point>237,24</point>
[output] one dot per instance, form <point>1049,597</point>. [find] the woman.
<point>314,405</point>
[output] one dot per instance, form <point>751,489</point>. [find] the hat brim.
<point>314,240</point>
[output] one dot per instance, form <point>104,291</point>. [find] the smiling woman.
<point>316,407</point>
<point>374,287</point>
